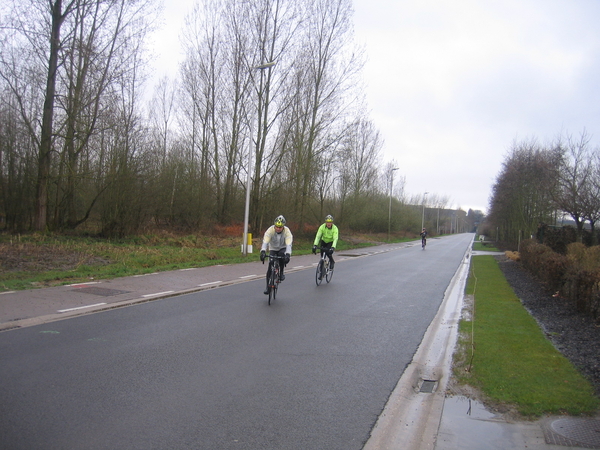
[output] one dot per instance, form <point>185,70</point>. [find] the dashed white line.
<point>7,292</point>
<point>157,293</point>
<point>208,284</point>
<point>191,268</point>
<point>249,276</point>
<point>146,274</point>
<point>83,284</point>
<point>80,307</point>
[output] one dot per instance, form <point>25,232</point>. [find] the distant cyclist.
<point>423,237</point>
<point>278,238</point>
<point>326,238</point>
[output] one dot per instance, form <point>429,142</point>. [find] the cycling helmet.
<point>280,221</point>
<point>329,218</point>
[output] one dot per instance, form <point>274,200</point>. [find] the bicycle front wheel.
<point>275,281</point>
<point>271,286</point>
<point>319,274</point>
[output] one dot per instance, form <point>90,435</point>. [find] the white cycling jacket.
<point>276,241</point>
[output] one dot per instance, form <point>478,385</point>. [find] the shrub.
<point>557,238</point>
<point>576,274</point>
<point>582,279</point>
<point>547,265</point>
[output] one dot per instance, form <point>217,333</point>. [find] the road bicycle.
<point>274,272</point>
<point>423,242</point>
<point>323,269</point>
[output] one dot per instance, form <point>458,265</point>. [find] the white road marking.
<point>81,307</point>
<point>208,284</point>
<point>157,293</point>
<point>249,276</point>
<point>83,284</point>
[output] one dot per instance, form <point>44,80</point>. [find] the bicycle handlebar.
<point>271,257</point>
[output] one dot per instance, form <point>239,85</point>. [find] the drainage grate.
<point>573,432</point>
<point>428,386</point>
<point>104,292</point>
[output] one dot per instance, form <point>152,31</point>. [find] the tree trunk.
<point>45,150</point>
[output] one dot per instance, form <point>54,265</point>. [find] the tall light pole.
<point>249,180</point>
<point>390,210</point>
<point>423,218</point>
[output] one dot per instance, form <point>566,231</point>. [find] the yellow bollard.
<point>249,243</point>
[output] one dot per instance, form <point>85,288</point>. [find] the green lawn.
<point>505,354</point>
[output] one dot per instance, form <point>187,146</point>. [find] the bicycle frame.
<point>323,269</point>
<point>274,271</point>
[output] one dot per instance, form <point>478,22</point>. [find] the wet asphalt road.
<point>220,369</point>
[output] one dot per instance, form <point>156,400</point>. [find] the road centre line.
<point>249,276</point>
<point>157,293</point>
<point>80,307</point>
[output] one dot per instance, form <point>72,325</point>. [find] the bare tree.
<point>592,194</point>
<point>91,42</point>
<point>359,164</point>
<point>523,192</point>
<point>574,178</point>
<point>324,67</point>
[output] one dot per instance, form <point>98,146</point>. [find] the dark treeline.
<point>543,186</point>
<point>269,90</point>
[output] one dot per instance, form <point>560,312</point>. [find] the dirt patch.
<point>37,258</point>
<point>359,239</point>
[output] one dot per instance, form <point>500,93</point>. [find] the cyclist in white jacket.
<point>278,239</point>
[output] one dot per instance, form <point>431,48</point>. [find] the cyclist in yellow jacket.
<point>326,238</point>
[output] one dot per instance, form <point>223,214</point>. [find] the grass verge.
<point>478,246</point>
<point>504,354</point>
<point>33,261</point>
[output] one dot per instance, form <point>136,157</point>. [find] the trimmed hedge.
<point>548,266</point>
<point>575,275</point>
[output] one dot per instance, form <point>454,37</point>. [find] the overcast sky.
<point>452,84</point>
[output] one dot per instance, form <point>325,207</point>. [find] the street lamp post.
<point>247,209</point>
<point>423,217</point>
<point>390,209</point>
<point>249,179</point>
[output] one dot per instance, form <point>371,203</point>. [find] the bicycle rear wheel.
<point>319,274</point>
<point>329,272</point>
